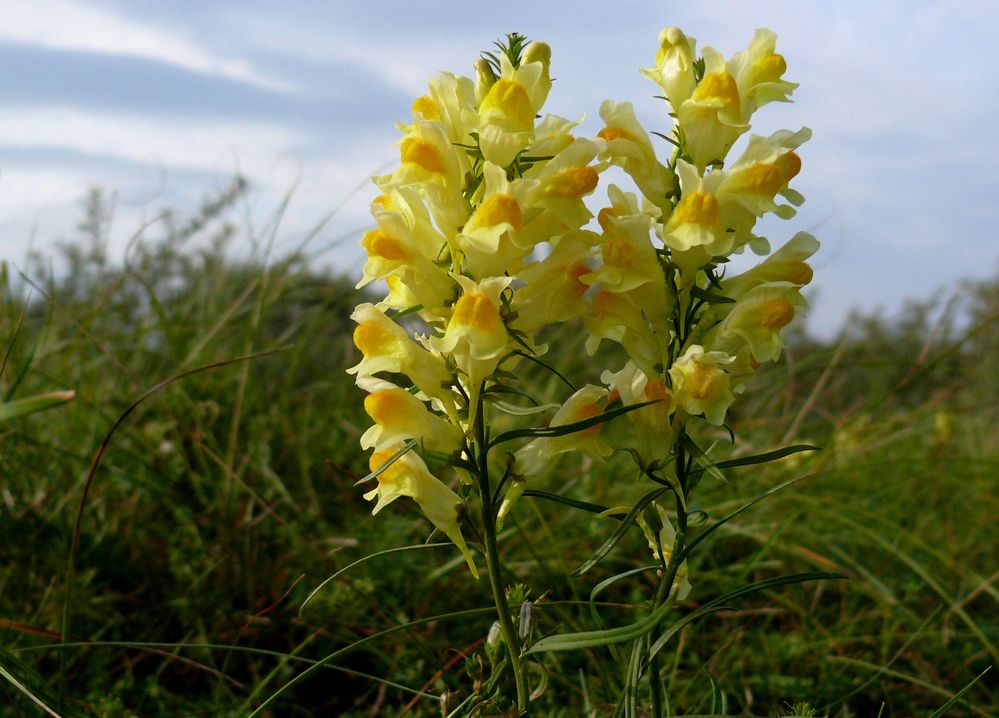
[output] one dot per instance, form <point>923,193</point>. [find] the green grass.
<point>225,497</point>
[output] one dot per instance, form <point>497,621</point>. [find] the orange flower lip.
<point>499,209</point>
<point>573,182</point>
<point>422,153</point>
<point>720,87</point>
<point>697,208</point>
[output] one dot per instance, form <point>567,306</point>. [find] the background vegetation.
<point>177,568</point>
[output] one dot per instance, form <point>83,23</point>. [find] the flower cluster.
<point>483,239</point>
<point>692,334</point>
<point>479,238</point>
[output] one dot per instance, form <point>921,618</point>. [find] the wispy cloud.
<point>69,25</point>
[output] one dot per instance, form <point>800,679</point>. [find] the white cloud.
<point>405,66</point>
<point>70,25</point>
<point>202,144</point>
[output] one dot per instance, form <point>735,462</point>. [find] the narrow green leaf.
<point>767,456</point>
<point>710,297</point>
<point>514,410</point>
<point>23,407</point>
<point>702,458</point>
<point>719,603</point>
<point>717,697</point>
<point>608,582</point>
<point>504,389</point>
<point>613,539</point>
<point>591,639</point>
<point>728,517</point>
<point>407,311</point>
<point>565,501</point>
<point>564,429</point>
<point>552,369</point>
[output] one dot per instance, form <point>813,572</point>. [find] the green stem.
<point>668,579</point>
<point>656,683</point>
<point>493,563</point>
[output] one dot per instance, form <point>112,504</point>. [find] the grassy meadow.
<point>160,533</point>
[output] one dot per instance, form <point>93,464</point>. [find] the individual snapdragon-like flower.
<point>628,258</point>
<point>619,318</point>
<point>430,164</point>
<point>565,180</point>
<point>400,416</point>
<point>507,110</point>
<point>633,385</point>
<point>537,456</point>
<point>629,147</point>
<point>760,314</point>
<point>701,385</point>
<point>674,69</point>
<point>409,476</point>
<point>696,231</point>
<point>386,346</point>
<point>405,245</point>
<point>552,135</point>
<point>476,322</point>
<point>787,264</point>
<point>711,119</point>
<point>758,71</point>
<point>451,99</point>
<point>488,239</point>
<point>553,287</point>
<point>533,458</point>
<point>762,173</point>
<point>476,335</point>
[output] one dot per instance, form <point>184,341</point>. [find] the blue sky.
<point>162,102</point>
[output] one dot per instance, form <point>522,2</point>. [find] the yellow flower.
<point>696,230</point>
<point>534,457</point>
<point>758,72</point>
<point>476,336</point>
<point>665,538</point>
<point>760,314</point>
<point>674,70</point>
<point>634,386</point>
<point>552,135</point>
<point>430,163</point>
<point>386,346</point>
<point>489,238</point>
<point>787,264</point>
<point>409,476</point>
<point>628,257</point>
<point>628,146</point>
<point>475,320</point>
<point>565,180</point>
<point>763,172</point>
<point>506,113</point>
<point>400,416</point>
<point>554,285</point>
<point>452,97</point>
<point>406,244</point>
<point>701,385</point>
<point>711,119</point>
<point>619,318</point>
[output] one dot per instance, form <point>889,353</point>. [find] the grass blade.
<point>957,696</point>
<point>40,402</point>
<point>619,532</point>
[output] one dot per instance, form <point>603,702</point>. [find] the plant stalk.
<point>493,563</point>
